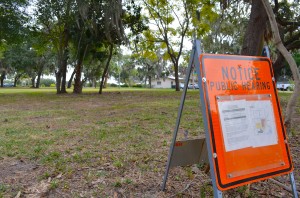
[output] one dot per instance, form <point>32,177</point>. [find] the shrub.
<point>125,85</point>
<point>292,87</point>
<point>112,85</point>
<point>138,86</point>
<point>47,82</point>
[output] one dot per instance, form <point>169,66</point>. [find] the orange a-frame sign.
<point>247,136</point>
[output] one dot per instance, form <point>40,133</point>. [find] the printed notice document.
<point>247,124</point>
<point>263,123</point>
<point>235,123</point>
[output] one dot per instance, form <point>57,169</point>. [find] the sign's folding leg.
<point>194,60</point>
<point>178,118</point>
<point>293,184</point>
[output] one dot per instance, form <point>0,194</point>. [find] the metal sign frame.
<point>267,152</point>
<point>194,60</point>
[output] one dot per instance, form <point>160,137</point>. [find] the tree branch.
<point>181,25</point>
<point>292,39</point>
<point>286,23</point>
<point>293,100</point>
<point>276,6</point>
<point>185,29</point>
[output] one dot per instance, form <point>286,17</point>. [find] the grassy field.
<point>110,145</point>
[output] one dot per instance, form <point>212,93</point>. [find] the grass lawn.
<point>110,145</point>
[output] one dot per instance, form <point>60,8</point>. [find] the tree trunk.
<point>150,81</point>
<point>64,61</point>
<point>149,71</point>
<point>278,65</point>
<point>38,80</point>
<point>71,79</point>
<point>111,47</point>
<point>254,36</point>
<point>33,81</point>
<point>3,75</point>
<point>77,81</point>
<point>176,77</point>
<point>58,73</point>
<point>2,80</point>
<point>15,81</point>
<point>58,81</point>
<point>290,109</point>
<point>146,81</point>
<point>41,66</point>
<point>105,80</point>
<point>78,69</point>
<point>17,77</point>
<point>64,75</point>
<point>94,83</point>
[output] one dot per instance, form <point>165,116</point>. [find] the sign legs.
<point>293,184</point>
<point>178,118</point>
<point>193,61</point>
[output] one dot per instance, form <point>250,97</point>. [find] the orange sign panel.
<point>247,134</point>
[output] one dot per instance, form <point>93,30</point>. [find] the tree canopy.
<point>83,37</point>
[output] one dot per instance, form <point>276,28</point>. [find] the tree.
<point>85,26</point>
<point>225,33</point>
<point>55,17</point>
<point>19,60</point>
<point>254,36</point>
<point>277,40</point>
<point>173,21</point>
<point>258,31</point>
<point>105,72</point>
<point>149,58</point>
<point>127,70</point>
<point>262,26</point>
<point>123,68</point>
<point>287,16</point>
<point>3,67</point>
<point>130,19</point>
<point>12,18</point>
<point>234,20</point>
<point>12,30</point>
<point>44,58</point>
<point>98,24</point>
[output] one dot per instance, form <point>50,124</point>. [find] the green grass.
<point>39,91</point>
<point>67,132</point>
<point>107,141</point>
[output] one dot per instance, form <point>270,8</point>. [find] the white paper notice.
<point>263,123</point>
<point>235,124</point>
<point>247,124</point>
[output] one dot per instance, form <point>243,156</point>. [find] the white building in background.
<point>166,82</point>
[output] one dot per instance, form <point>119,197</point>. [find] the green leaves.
<point>12,18</point>
<point>149,35</point>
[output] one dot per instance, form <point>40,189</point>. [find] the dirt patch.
<point>17,175</point>
<point>13,169</point>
